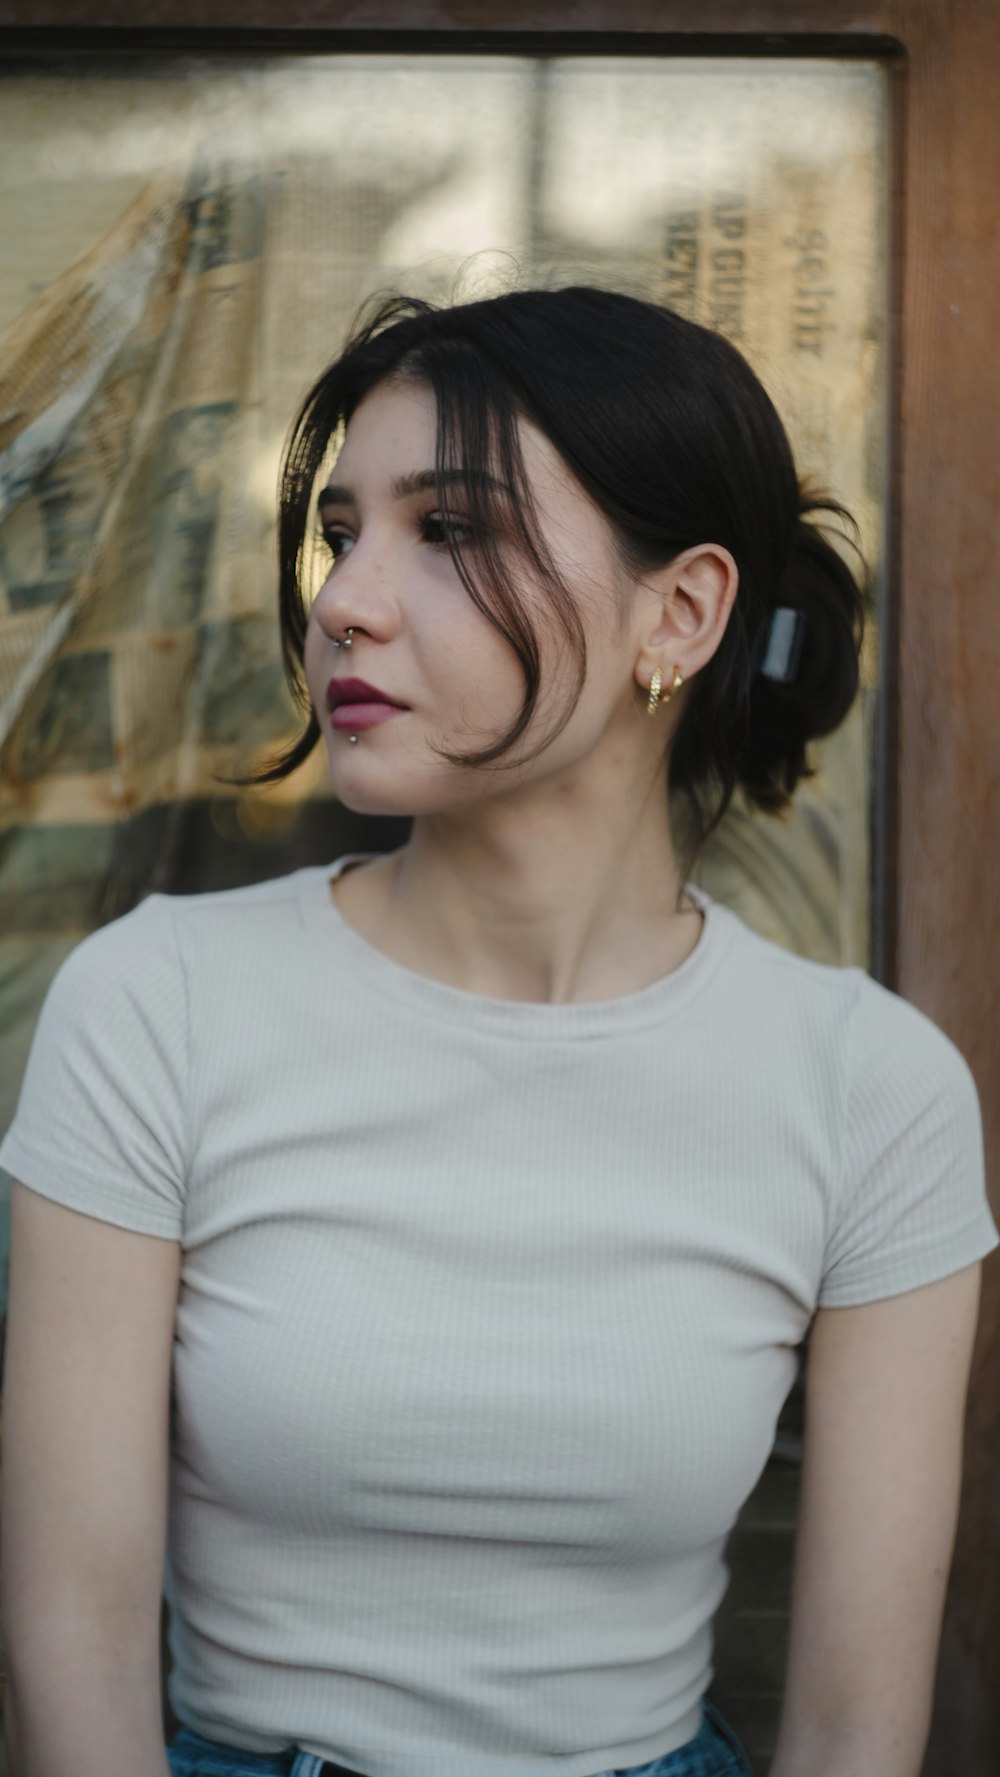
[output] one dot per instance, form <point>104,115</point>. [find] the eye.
<point>435,528</point>
<point>332,538</point>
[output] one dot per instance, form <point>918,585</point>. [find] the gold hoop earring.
<point>655,699</point>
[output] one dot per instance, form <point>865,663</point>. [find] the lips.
<point>357,691</point>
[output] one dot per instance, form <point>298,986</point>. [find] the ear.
<point>692,598</point>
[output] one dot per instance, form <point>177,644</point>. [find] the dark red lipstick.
<point>356,691</point>
<point>355,704</point>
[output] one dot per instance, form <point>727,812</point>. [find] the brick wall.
<point>752,1624</point>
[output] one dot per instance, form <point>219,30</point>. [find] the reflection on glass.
<point>192,237</point>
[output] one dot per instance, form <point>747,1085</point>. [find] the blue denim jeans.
<point>715,1751</point>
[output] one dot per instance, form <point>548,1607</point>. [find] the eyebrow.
<point>336,493</point>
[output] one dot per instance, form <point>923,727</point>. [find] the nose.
<point>354,601</point>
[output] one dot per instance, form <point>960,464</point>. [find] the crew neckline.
<point>537,1019</point>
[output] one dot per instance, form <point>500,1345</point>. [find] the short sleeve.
<point>913,1204</point>
<point>100,1123</point>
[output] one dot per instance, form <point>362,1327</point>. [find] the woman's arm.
<point>886,1386</point>
<point>85,1478</point>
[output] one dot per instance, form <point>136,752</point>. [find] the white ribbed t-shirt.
<point>488,1308</point>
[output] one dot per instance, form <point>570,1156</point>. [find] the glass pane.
<point>186,240</point>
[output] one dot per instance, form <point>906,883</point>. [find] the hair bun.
<point>814,635</point>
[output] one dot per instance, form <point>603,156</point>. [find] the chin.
<point>389,792</point>
<point>360,801</point>
<point>362,787</point>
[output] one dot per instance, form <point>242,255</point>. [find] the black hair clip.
<point>782,645</point>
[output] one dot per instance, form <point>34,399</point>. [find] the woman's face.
<point>419,638</point>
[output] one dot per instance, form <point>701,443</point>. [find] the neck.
<point>539,904</point>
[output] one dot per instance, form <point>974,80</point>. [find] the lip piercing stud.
<point>352,738</point>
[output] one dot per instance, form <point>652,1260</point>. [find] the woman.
<point>510,1169</point>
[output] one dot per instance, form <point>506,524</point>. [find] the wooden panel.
<point>836,21</point>
<point>947,949</point>
<point>938,938</point>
